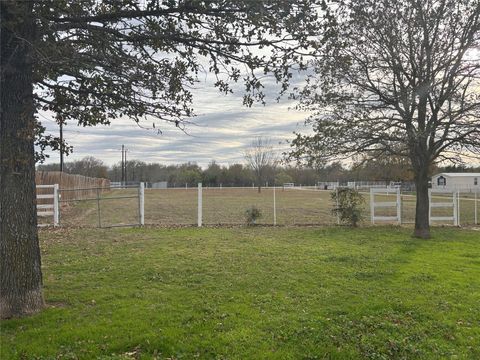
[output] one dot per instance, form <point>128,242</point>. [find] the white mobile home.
<point>456,181</point>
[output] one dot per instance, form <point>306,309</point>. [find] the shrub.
<point>252,215</point>
<point>348,206</point>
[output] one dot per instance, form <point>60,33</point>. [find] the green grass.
<point>254,293</point>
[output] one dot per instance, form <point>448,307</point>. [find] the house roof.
<point>459,174</point>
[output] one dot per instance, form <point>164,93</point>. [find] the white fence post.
<point>429,207</point>
<point>98,209</point>
<point>274,207</point>
<point>399,206</point>
<point>372,207</point>
<point>199,216</point>
<point>338,204</point>
<point>385,204</point>
<point>456,209</point>
<point>453,205</point>
<point>141,203</point>
<point>476,208</point>
<point>56,209</point>
<point>53,208</point>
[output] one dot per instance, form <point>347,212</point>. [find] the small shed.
<point>456,181</point>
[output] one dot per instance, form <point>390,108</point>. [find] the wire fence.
<point>285,206</point>
<point>101,207</point>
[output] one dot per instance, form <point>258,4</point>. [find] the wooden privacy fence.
<point>86,185</point>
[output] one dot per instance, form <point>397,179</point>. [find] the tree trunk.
<point>20,275</point>
<point>422,223</point>
<point>259,189</point>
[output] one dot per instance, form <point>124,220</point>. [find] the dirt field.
<point>227,206</point>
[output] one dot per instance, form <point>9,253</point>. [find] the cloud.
<point>222,130</point>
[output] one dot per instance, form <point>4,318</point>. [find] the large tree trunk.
<point>20,275</point>
<point>422,223</point>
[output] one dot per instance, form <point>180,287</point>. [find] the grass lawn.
<point>241,293</point>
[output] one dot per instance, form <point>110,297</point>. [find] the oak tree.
<point>92,61</point>
<point>396,78</point>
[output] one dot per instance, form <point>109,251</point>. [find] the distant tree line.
<point>88,166</point>
<point>191,174</point>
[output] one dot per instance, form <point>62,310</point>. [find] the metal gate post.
<point>98,208</point>
<point>141,203</point>
<point>429,206</point>
<point>399,206</point>
<point>476,208</point>
<point>56,209</point>
<point>457,222</point>
<point>372,206</point>
<point>274,207</point>
<point>199,214</point>
<point>338,205</point>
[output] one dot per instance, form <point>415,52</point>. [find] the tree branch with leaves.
<point>90,62</point>
<point>396,77</point>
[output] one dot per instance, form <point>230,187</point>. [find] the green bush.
<point>252,215</point>
<point>348,206</point>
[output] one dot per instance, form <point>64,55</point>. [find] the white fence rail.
<point>106,209</point>
<point>397,205</point>
<point>452,204</point>
<point>51,209</point>
<point>216,206</point>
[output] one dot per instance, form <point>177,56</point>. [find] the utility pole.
<point>126,177</point>
<point>60,123</point>
<point>123,164</point>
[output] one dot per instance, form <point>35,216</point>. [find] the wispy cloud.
<point>222,130</point>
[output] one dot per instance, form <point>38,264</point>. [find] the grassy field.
<point>254,293</point>
<point>228,206</point>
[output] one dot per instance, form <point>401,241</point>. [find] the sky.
<point>223,129</point>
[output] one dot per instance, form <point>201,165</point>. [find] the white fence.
<point>367,184</point>
<point>51,208</point>
<point>394,207</point>
<point>90,207</point>
<point>452,204</point>
<point>273,205</point>
<point>200,206</point>
<point>327,185</point>
<point>397,205</point>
